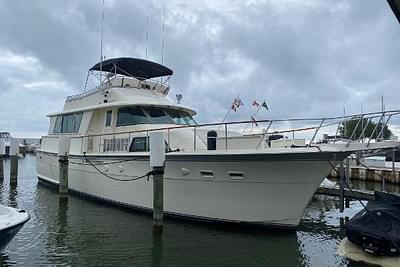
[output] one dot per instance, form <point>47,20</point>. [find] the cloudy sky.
<point>305,58</point>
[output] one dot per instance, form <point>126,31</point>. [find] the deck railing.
<point>230,135</point>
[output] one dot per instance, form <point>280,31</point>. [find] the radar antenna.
<point>101,43</point>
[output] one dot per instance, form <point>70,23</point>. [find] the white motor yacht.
<point>212,172</point>
<point>11,221</point>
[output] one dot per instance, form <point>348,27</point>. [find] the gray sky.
<point>305,58</point>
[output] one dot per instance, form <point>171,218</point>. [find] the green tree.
<point>347,128</point>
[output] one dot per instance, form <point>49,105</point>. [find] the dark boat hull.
<point>377,229</point>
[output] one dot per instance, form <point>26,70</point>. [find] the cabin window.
<point>159,116</point>
<point>181,117</point>
<point>68,123</point>
<point>108,118</point>
<point>131,116</point>
<point>115,144</point>
<point>57,125</point>
<point>151,115</point>
<point>77,121</point>
<point>139,144</point>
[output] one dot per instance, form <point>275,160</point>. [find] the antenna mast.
<point>101,43</point>
<point>147,33</point>
<point>162,42</point>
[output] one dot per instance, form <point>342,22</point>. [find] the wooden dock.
<point>356,194</point>
<point>372,174</point>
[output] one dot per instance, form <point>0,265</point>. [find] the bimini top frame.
<point>140,69</point>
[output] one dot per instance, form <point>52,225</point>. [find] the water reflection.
<point>157,250</point>
<point>12,195</point>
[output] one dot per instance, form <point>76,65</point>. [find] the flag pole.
<point>229,109</point>
<point>253,116</point>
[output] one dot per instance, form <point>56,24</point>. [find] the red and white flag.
<point>237,102</point>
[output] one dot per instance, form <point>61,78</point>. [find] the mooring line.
<point>148,174</point>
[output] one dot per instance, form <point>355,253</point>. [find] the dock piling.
<point>63,162</point>
<point>14,147</point>
<point>394,164</point>
<point>348,170</point>
<point>157,161</point>
<point>2,154</point>
<point>63,179</point>
<point>341,185</point>
<point>1,168</point>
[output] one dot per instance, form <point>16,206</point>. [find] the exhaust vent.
<point>207,174</point>
<point>236,175</point>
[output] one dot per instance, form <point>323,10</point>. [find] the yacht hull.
<point>271,190</point>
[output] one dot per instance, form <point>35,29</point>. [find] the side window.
<point>57,125</point>
<point>108,118</point>
<point>77,121</point>
<point>69,123</point>
<point>139,144</point>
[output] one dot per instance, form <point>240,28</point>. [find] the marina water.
<point>83,233</point>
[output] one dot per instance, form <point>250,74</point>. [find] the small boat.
<point>11,221</point>
<point>377,228</point>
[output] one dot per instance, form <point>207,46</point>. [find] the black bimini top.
<point>134,67</point>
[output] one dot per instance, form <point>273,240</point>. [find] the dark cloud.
<point>306,58</point>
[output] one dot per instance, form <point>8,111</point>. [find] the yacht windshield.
<point>159,116</point>
<point>181,117</point>
<point>152,115</point>
<point>131,116</point>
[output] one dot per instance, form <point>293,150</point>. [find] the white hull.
<point>273,191</point>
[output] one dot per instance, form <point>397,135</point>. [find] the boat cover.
<point>134,67</point>
<point>377,230</point>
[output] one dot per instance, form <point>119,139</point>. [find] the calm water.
<point>84,233</point>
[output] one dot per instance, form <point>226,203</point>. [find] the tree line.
<point>347,128</point>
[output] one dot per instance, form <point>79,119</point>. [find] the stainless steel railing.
<point>231,132</point>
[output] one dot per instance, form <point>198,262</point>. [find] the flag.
<point>264,104</point>
<point>233,107</point>
<point>237,102</point>
<point>255,103</point>
<point>254,120</point>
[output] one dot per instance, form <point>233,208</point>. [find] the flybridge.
<point>128,72</point>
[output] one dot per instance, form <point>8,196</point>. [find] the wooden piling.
<point>1,168</point>
<point>14,147</point>
<point>348,170</point>
<point>393,165</point>
<point>341,186</point>
<point>13,169</point>
<point>63,176</point>
<point>158,198</point>
<point>347,202</point>
<point>157,160</point>
<point>63,162</point>
<point>2,155</point>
